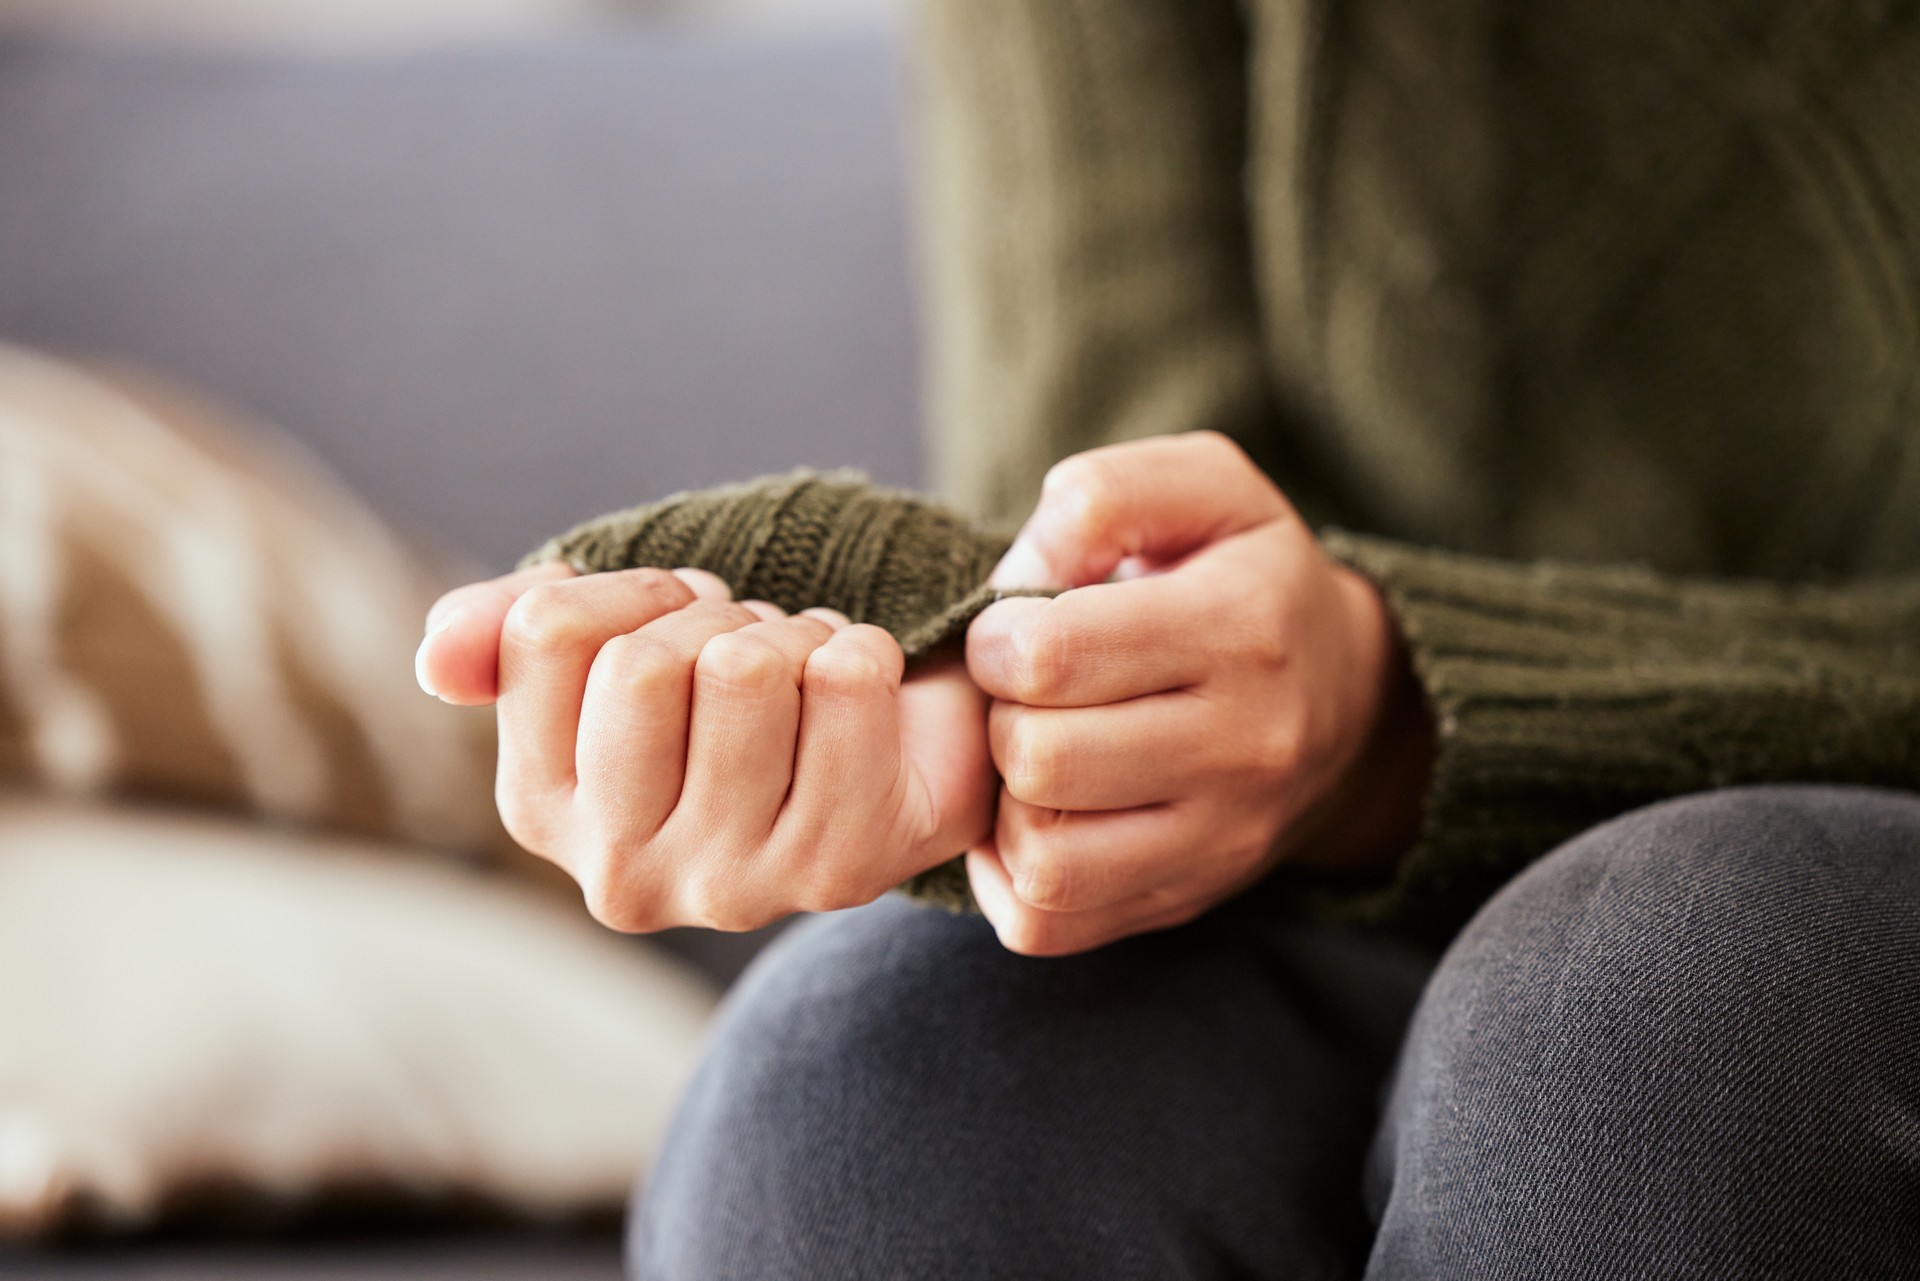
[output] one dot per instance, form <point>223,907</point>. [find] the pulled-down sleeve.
<point>1564,695</point>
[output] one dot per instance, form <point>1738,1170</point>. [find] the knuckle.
<point>1035,763</point>
<point>1090,490</point>
<point>739,661</point>
<point>708,902</point>
<point>547,617</point>
<point>694,902</point>
<point>844,670</point>
<point>1279,753</point>
<point>811,631</point>
<point>1046,883</point>
<point>635,664</point>
<point>730,615</point>
<point>1042,655</point>
<point>1221,446</point>
<point>661,586</point>
<point>1258,631</point>
<point>612,902</point>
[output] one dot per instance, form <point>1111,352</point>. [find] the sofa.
<point>495,289</point>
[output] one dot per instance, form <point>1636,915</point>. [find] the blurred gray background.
<point>500,285</point>
<point>503,264</point>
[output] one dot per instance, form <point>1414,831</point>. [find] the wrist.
<point>1373,817</point>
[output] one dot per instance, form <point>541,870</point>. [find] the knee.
<point>1710,904</point>
<point>867,1082</point>
<point>842,1008</point>
<point>1756,922</point>
<point>1731,930</point>
<point>889,1092</point>
<point>1694,992</point>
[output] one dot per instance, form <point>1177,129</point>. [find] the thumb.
<point>1154,499</point>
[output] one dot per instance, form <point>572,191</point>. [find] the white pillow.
<point>190,1002</point>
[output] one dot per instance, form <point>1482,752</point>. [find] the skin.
<point>1212,697</point>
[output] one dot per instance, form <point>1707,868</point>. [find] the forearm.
<point>1565,695</point>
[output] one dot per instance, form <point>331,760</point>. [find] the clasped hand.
<point>1211,695</point>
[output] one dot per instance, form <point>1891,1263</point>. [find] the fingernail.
<point>434,628</point>
<point>704,585</point>
<point>990,647</point>
<point>831,617</point>
<point>764,610</point>
<point>1022,566</point>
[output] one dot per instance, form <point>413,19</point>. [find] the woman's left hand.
<point>1213,697</point>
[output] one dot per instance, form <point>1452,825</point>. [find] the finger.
<point>746,718</point>
<point>458,659</point>
<point>848,766</point>
<point>631,751</point>
<point>1115,756</point>
<point>706,586</point>
<point>1063,861</point>
<point>548,643</point>
<point>1099,644</point>
<point>1032,931</point>
<point>1157,499</point>
<point>1233,599</point>
<point>944,740</point>
<point>891,776</point>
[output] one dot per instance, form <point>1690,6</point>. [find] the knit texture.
<point>1566,695</point>
<point>1601,318</point>
<point>880,556</point>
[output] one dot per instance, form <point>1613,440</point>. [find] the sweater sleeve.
<point>1565,695</point>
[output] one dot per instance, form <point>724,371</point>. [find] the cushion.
<point>198,1007</point>
<point>195,611</point>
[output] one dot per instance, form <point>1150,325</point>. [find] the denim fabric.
<point>1686,1044</point>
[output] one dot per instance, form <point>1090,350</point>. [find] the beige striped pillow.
<point>193,609</point>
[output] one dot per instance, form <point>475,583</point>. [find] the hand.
<point>1232,698</point>
<point>695,761</point>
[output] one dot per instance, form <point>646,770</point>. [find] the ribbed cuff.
<point>1565,695</point>
<point>877,555</point>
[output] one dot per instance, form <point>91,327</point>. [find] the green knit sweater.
<point>1600,321</point>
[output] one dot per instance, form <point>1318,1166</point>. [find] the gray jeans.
<point>1686,1044</point>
